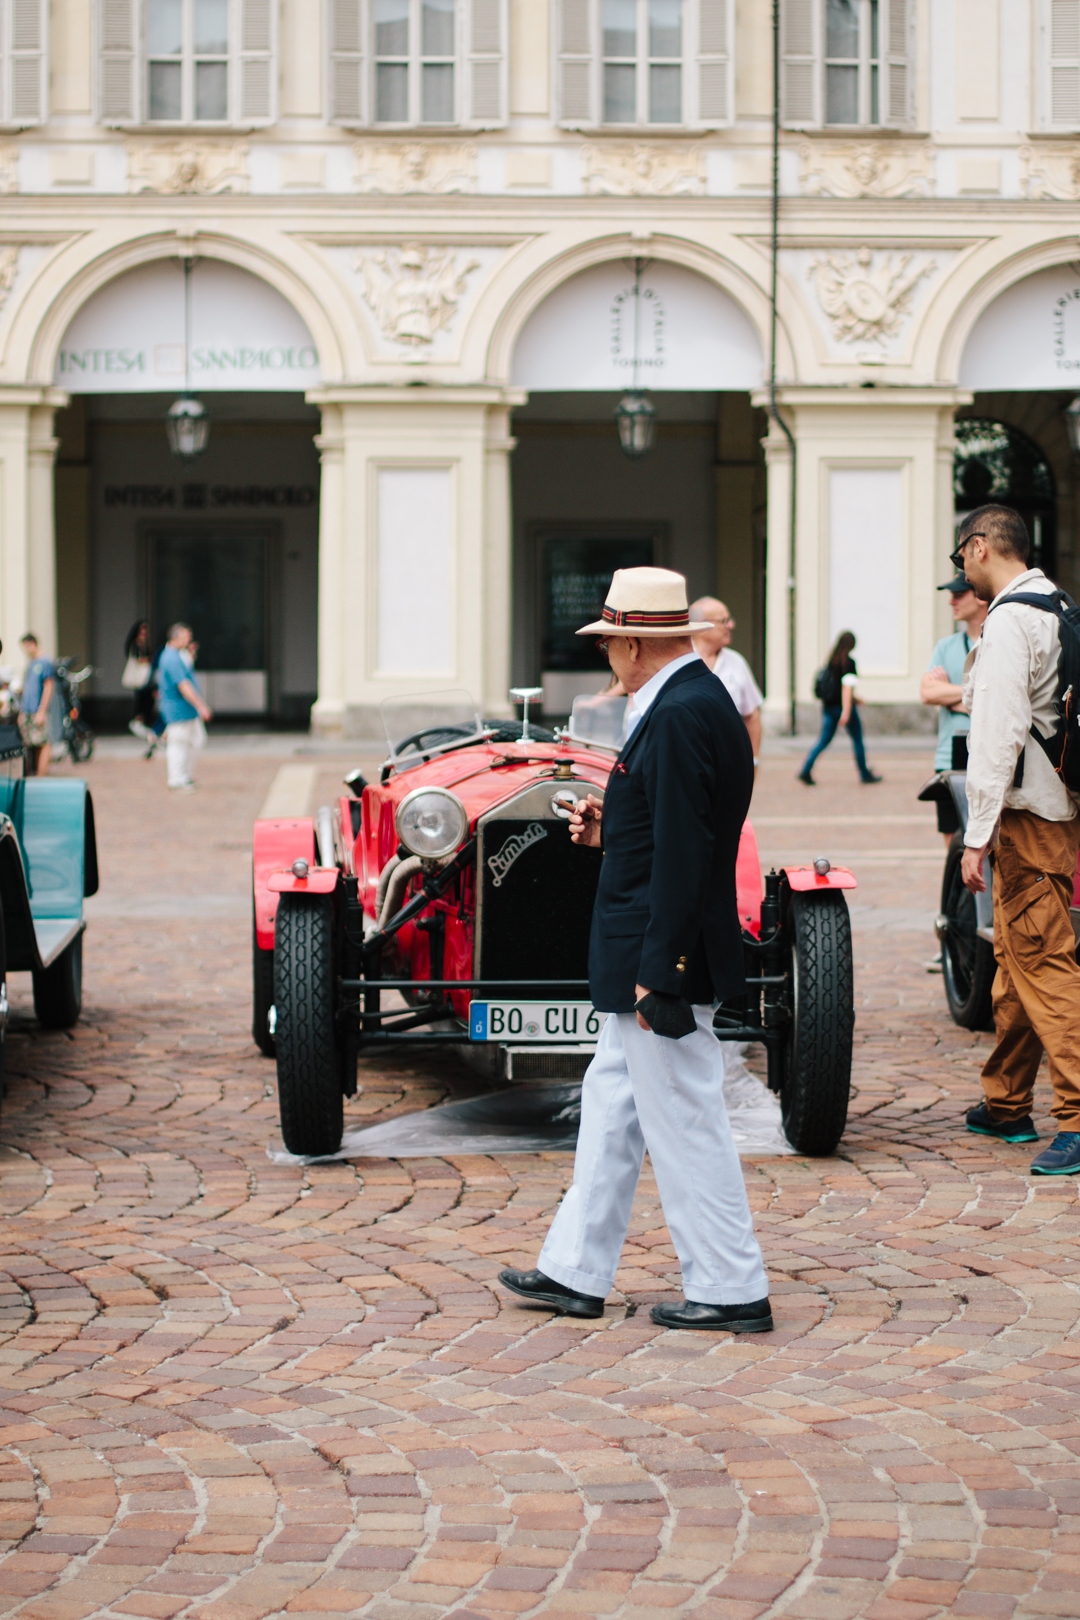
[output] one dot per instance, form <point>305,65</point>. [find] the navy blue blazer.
<point>666,915</point>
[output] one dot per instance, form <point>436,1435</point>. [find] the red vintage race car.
<point>447,903</point>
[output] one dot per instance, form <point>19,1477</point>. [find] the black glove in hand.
<point>667,1015</point>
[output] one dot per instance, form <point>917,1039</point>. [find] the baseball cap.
<point>957,586</point>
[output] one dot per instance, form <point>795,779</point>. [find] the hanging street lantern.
<point>635,415</point>
<point>1072,423</point>
<point>187,426</point>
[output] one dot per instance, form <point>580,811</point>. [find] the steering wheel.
<point>433,737</point>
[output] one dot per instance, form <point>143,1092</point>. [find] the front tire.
<point>262,996</point>
<point>817,1068</point>
<point>58,989</point>
<point>967,962</point>
<point>308,1060</point>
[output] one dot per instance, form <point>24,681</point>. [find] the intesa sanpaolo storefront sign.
<point>129,337</point>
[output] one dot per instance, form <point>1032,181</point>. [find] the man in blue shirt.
<point>39,684</point>
<point>943,685</point>
<point>182,706</point>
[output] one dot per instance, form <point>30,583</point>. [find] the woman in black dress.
<point>139,663</point>
<point>835,687</point>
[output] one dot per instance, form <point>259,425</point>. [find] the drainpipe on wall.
<point>773,411</point>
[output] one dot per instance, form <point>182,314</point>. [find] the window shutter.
<point>26,86</point>
<point>799,65</point>
<point>346,68</point>
<point>257,101</point>
<point>1064,64</point>
<point>896,74</point>
<point>487,91</point>
<point>117,43</point>
<point>713,62</point>
<point>575,63</point>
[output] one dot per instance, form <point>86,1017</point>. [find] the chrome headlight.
<point>431,822</point>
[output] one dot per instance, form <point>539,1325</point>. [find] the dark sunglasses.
<point>957,557</point>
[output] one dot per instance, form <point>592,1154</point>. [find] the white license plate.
<point>545,1021</point>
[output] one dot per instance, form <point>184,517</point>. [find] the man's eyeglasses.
<point>957,557</point>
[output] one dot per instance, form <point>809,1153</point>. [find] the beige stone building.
<point>409,254</point>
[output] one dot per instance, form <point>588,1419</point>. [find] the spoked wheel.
<point>80,743</point>
<point>58,989</point>
<point>967,962</point>
<point>309,1064</point>
<point>262,995</point>
<point>817,1058</point>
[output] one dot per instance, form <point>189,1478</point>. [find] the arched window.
<point>996,462</point>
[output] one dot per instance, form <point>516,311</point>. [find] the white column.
<point>328,715</point>
<point>27,528</point>
<point>777,575</point>
<point>41,525</point>
<point>498,530</point>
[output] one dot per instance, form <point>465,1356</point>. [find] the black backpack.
<point>1062,747</point>
<point>828,687</point>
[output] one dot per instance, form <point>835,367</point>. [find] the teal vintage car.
<point>48,864</point>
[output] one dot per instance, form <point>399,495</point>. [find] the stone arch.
<point>78,272</point>
<point>555,271</point>
<point>999,279</point>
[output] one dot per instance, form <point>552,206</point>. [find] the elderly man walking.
<point>1020,811</point>
<point>714,646</point>
<point>665,944</point>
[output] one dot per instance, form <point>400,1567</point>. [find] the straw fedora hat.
<point>645,602</point>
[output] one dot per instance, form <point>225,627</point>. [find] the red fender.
<point>277,844</point>
<point>748,885</point>
<point>320,880</point>
<point>803,879</point>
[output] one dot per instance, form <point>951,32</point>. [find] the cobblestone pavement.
<point>233,1389</point>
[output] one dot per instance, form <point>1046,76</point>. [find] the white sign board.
<point>129,337</point>
<point>866,565</point>
<point>1029,337</point>
<point>690,334</point>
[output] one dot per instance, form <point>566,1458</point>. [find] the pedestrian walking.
<point>39,684</point>
<point>183,708</point>
<point>835,688</point>
<point>714,647</point>
<point>665,945</point>
<point>943,685</point>
<point>1022,814</point>
<point>138,679</point>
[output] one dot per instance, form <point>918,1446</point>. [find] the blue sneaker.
<point>1061,1158</point>
<point>982,1122</point>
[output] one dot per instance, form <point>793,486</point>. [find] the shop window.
<point>24,74</point>
<point>846,63</point>
<point>187,62</point>
<point>645,63</point>
<point>1060,28</point>
<point>402,64</point>
<point>995,462</point>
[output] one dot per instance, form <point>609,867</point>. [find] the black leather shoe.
<point>753,1318</point>
<point>541,1290</point>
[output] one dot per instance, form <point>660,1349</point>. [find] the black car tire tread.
<point>262,995</point>
<point>817,1081</point>
<point>968,965</point>
<point>58,989</point>
<point>308,1062</point>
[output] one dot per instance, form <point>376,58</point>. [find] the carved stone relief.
<point>413,291</point>
<point>9,170</point>
<point>401,166</point>
<point>1051,172</point>
<point>866,169</point>
<point>188,168</point>
<point>9,265</point>
<point>641,169</point>
<point>866,295</point>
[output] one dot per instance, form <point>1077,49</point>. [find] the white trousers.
<point>183,739</point>
<point>644,1091</point>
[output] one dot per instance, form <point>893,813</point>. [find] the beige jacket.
<point>1011,680</point>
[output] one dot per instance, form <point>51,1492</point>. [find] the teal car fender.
<point>48,865</point>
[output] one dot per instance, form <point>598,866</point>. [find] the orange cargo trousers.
<point>1037,984</point>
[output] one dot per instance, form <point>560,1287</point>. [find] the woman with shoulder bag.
<point>138,678</point>
<point>835,689</point>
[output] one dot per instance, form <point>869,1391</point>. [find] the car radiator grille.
<point>546,1065</point>
<point>535,893</point>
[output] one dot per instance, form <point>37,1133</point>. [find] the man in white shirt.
<point>714,646</point>
<point>1020,810</point>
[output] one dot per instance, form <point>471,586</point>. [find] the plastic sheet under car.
<point>539,1119</point>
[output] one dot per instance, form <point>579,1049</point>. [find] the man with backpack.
<point>1021,812</point>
